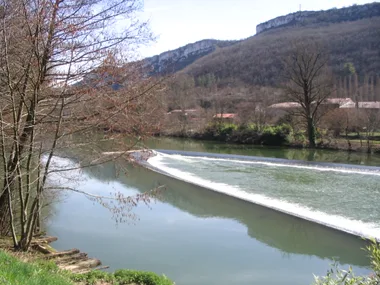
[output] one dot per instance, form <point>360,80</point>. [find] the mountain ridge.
<point>257,60</point>
<point>336,28</point>
<point>334,15</point>
<point>174,60</point>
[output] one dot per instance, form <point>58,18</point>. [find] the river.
<point>200,236</point>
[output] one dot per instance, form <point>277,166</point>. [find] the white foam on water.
<point>356,227</point>
<point>192,159</point>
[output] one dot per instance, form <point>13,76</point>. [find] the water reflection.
<point>286,233</point>
<point>197,236</point>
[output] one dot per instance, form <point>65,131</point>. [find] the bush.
<point>219,131</point>
<point>275,135</point>
<point>121,277</point>
<point>140,277</point>
<point>337,276</point>
<point>299,137</point>
<point>93,277</point>
<point>225,129</point>
<point>248,134</point>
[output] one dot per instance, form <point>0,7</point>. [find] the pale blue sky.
<point>179,22</point>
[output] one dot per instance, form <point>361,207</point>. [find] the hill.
<point>257,60</point>
<point>302,18</point>
<point>175,60</point>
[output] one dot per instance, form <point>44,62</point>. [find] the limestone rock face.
<point>351,13</point>
<point>175,60</point>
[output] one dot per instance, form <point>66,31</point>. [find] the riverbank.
<point>279,135</point>
<point>278,139</point>
<point>44,265</point>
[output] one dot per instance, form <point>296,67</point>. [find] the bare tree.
<point>180,97</point>
<point>66,72</point>
<point>308,83</point>
<point>368,121</point>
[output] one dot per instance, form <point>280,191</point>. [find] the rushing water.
<point>342,196</point>
<point>199,236</point>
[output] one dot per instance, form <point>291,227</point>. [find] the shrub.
<point>121,277</point>
<point>219,131</point>
<point>337,276</point>
<point>299,137</point>
<point>250,133</point>
<point>226,129</point>
<point>275,135</point>
<point>93,277</point>
<point>140,277</point>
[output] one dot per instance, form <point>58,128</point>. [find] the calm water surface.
<point>197,236</point>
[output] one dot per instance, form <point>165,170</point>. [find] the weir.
<point>338,196</point>
<point>209,233</point>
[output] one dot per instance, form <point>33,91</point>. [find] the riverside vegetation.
<point>283,134</point>
<point>337,276</point>
<point>14,272</point>
<point>249,134</point>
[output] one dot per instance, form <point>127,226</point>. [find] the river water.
<point>200,236</point>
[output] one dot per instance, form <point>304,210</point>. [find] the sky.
<point>179,22</point>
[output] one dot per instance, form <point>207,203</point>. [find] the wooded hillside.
<point>257,60</point>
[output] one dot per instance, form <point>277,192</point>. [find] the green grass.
<point>122,277</point>
<point>363,134</point>
<point>15,272</point>
<point>364,142</point>
<point>357,141</point>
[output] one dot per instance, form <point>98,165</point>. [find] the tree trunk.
<point>368,144</point>
<point>4,215</point>
<point>311,132</point>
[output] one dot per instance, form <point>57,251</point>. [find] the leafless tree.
<point>308,83</point>
<point>368,121</point>
<point>66,71</point>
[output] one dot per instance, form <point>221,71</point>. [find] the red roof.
<point>225,116</point>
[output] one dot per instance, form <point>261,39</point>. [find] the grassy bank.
<point>279,135</point>
<point>13,271</point>
<point>245,134</point>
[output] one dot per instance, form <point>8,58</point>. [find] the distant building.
<point>225,116</point>
<point>374,105</point>
<point>191,113</point>
<point>228,117</point>
<point>337,102</point>
<point>279,110</point>
<point>285,105</point>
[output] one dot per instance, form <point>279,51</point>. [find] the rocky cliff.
<point>175,60</point>
<point>302,18</point>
